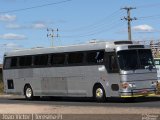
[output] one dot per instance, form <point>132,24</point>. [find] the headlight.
<point>125,85</point>
<point>128,85</point>
<point>132,85</point>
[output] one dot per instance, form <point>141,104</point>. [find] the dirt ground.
<point>29,109</point>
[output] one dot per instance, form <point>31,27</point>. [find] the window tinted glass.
<point>28,61</point>
<point>128,59</point>
<point>25,61</point>
<point>41,60</point>
<point>111,62</point>
<point>75,58</point>
<point>135,59</point>
<point>146,58</point>
<point>14,62</point>
<point>7,63</point>
<point>57,59</point>
<point>113,66</point>
<point>95,57</point>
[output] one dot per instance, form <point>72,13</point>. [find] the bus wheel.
<point>28,92</point>
<point>99,93</point>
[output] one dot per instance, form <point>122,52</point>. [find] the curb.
<point>9,95</point>
<point>6,95</point>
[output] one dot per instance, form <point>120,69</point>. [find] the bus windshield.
<point>135,59</point>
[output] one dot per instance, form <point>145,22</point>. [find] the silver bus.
<point>99,70</point>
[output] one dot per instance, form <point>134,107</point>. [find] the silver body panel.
<point>75,80</point>
<point>63,81</point>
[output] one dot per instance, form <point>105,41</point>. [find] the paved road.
<point>149,102</point>
<point>83,108</point>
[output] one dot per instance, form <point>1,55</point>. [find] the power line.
<point>98,28</point>
<point>151,16</point>
<point>96,24</point>
<point>34,7</point>
<point>148,5</point>
<point>96,32</point>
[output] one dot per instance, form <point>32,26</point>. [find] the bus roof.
<point>80,47</point>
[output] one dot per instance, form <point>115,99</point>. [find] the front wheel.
<point>99,93</point>
<point>28,92</point>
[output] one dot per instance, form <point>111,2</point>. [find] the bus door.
<point>113,77</point>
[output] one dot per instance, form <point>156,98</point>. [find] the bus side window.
<point>58,59</point>
<point>75,58</point>
<point>112,63</point>
<point>7,63</point>
<point>41,60</point>
<point>13,62</point>
<point>25,61</point>
<point>100,57</point>
<point>95,57</point>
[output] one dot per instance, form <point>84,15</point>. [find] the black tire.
<point>28,92</point>
<point>99,93</point>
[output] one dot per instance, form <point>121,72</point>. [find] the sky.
<point>24,23</point>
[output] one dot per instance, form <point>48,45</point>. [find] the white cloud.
<point>7,17</point>
<point>39,25</point>
<point>11,45</point>
<point>12,36</point>
<point>14,26</point>
<point>143,28</point>
<point>8,47</point>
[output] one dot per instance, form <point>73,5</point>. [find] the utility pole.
<point>52,35</point>
<point>129,19</point>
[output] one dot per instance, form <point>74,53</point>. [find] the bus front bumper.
<point>140,93</point>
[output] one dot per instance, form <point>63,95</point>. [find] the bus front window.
<point>135,59</point>
<point>146,58</point>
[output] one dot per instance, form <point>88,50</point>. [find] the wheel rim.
<point>99,93</point>
<point>29,92</point>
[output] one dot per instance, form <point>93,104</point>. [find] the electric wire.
<point>34,7</point>
<point>148,5</point>
<point>96,24</point>
<point>96,32</point>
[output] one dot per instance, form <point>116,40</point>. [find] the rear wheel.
<point>99,93</point>
<point>28,92</point>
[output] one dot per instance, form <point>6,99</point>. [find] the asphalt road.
<point>83,108</point>
<point>149,102</point>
